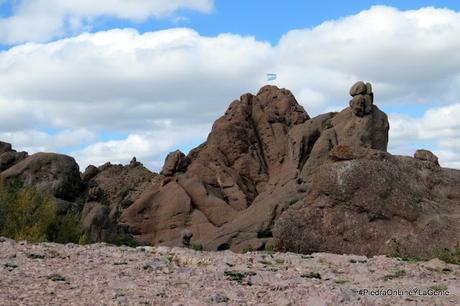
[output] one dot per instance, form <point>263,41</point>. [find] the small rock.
<point>341,152</point>
<point>426,155</point>
<point>219,297</point>
<point>134,163</point>
<point>283,302</point>
<point>186,236</point>
<point>435,265</point>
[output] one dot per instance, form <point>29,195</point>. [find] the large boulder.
<point>53,174</point>
<point>375,204</point>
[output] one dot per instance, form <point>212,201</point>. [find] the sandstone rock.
<point>10,158</point>
<point>269,174</point>
<point>110,190</point>
<point>374,205</point>
<point>96,222</point>
<point>426,155</point>
<point>175,162</point>
<point>90,172</point>
<point>54,174</point>
<point>361,105</point>
<point>246,146</point>
<point>5,147</point>
<point>363,99</point>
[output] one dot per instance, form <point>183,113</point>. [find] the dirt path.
<point>100,274</point>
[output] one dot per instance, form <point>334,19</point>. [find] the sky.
<point>111,79</point>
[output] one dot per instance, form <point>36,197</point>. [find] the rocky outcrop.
<point>53,174</point>
<point>269,175</point>
<point>374,204</point>
<point>9,157</point>
<point>110,190</point>
<point>100,193</point>
<point>252,167</point>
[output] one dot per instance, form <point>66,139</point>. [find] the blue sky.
<point>151,76</point>
<point>266,20</point>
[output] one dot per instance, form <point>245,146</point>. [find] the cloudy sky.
<point>112,79</point>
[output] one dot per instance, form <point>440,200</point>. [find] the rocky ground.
<point>101,274</point>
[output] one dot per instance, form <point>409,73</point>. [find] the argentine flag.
<point>271,76</point>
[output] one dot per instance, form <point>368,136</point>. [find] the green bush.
<point>450,256</point>
<point>126,241</point>
<point>84,239</point>
<point>25,214</point>
<point>66,228</point>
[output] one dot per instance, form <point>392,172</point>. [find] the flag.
<point>271,76</point>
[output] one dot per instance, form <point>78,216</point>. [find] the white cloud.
<point>148,146</point>
<point>34,141</point>
<point>42,20</point>
<point>121,80</point>
<point>438,126</point>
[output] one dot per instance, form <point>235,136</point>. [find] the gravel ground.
<point>101,274</point>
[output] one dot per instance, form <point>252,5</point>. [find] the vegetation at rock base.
<point>450,256</point>
<point>397,274</point>
<point>311,275</point>
<point>25,214</point>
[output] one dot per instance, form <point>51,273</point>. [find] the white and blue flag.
<point>271,76</point>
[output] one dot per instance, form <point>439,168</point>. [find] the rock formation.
<point>268,176</point>
<point>8,156</point>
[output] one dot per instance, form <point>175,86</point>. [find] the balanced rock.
<point>363,98</point>
<point>359,88</point>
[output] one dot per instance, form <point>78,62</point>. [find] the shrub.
<point>84,239</point>
<point>126,241</point>
<point>450,256</point>
<point>66,228</point>
<point>25,214</point>
<point>197,247</point>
